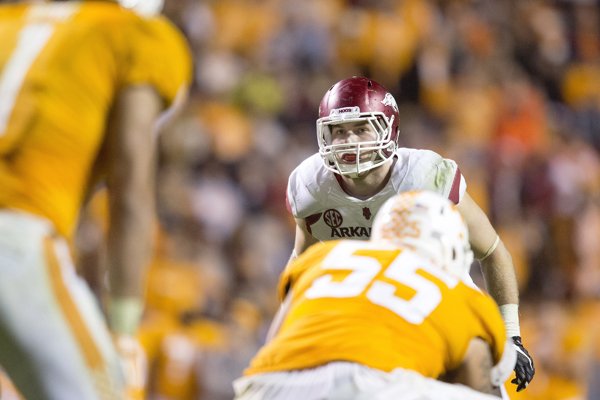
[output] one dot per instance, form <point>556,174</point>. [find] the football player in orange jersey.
<point>385,318</point>
<point>82,86</point>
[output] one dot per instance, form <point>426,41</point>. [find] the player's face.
<point>353,132</point>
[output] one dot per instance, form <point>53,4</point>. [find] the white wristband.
<point>510,315</point>
<point>124,314</point>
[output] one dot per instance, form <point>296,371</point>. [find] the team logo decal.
<point>333,218</point>
<point>367,213</point>
<point>389,101</point>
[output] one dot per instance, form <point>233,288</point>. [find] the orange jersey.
<point>61,66</point>
<point>379,306</point>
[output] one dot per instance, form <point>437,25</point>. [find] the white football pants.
<point>345,381</point>
<point>54,343</point>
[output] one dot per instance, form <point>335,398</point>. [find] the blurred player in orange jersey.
<point>82,86</point>
<point>384,318</point>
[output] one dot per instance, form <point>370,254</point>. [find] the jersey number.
<point>32,39</point>
<point>403,269</point>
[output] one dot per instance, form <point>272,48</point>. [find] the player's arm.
<point>282,312</point>
<point>475,369</point>
<point>495,259</point>
<point>303,239</point>
<point>130,152</point>
<point>501,282</point>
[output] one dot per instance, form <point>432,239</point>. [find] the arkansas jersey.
<point>315,195</point>
<point>61,65</point>
<point>378,306</point>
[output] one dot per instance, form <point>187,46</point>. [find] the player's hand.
<point>134,364</point>
<point>524,368</point>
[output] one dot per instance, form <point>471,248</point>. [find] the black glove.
<point>524,368</point>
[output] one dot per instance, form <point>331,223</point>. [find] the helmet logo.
<point>345,112</point>
<point>333,218</point>
<point>389,101</point>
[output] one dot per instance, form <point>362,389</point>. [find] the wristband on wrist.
<point>510,315</point>
<point>124,314</point>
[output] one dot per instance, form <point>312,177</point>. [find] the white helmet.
<point>145,8</point>
<point>430,225</point>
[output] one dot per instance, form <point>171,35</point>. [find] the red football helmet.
<point>358,99</point>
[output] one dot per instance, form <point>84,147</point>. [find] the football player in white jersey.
<point>335,193</point>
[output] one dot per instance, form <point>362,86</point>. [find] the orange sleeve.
<point>159,56</point>
<point>298,266</point>
<point>492,326</point>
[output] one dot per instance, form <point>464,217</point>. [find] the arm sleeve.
<point>431,171</point>
<point>289,198</point>
<point>480,317</point>
<point>450,179</point>
<point>294,194</point>
<point>297,267</point>
<point>492,326</point>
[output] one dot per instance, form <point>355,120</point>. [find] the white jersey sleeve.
<point>428,170</point>
<point>308,187</point>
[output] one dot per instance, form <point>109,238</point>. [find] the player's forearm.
<point>475,368</point>
<point>293,256</point>
<point>487,247</point>
<point>129,245</point>
<point>500,278</point>
<point>279,317</point>
<point>131,158</point>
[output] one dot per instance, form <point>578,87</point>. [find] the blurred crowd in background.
<point>508,89</point>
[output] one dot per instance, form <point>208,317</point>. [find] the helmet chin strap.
<point>352,175</point>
